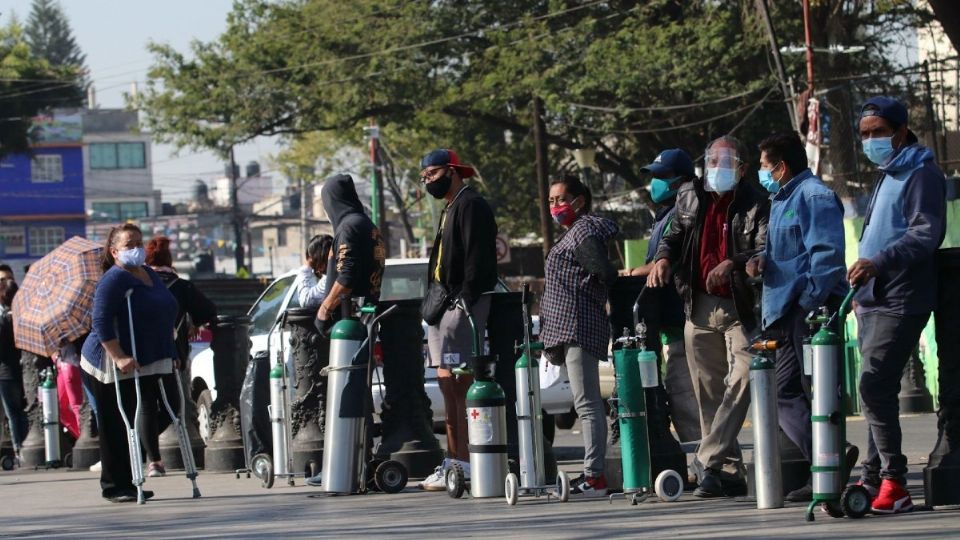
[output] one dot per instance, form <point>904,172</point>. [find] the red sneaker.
<point>589,486</point>
<point>892,499</point>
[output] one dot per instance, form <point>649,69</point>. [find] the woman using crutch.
<point>131,299</point>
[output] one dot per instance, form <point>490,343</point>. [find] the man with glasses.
<point>721,222</point>
<point>464,262</point>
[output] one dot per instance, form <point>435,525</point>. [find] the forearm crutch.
<point>133,437</point>
<point>182,437</point>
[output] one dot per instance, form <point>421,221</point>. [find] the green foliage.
<point>49,35</point>
<point>28,85</point>
<point>628,77</point>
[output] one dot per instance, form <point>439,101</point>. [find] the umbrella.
<point>55,301</point>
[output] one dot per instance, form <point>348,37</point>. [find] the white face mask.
<point>132,257</point>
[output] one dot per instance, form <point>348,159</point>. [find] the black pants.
<point>115,474</point>
<point>886,343</point>
<point>154,419</point>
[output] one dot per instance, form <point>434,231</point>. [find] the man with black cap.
<point>670,170</point>
<point>358,253</point>
<point>464,263</point>
<point>903,227</point>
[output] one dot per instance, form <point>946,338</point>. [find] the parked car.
<point>403,279</point>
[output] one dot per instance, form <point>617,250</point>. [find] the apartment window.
<point>13,241</point>
<point>43,240</point>
<point>118,211</point>
<point>281,236</point>
<point>46,169</point>
<point>118,156</point>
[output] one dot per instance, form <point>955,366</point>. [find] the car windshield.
<point>264,313</point>
<point>408,281</point>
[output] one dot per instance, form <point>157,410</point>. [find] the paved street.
<point>47,504</point>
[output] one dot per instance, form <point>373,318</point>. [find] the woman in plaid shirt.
<point>573,317</point>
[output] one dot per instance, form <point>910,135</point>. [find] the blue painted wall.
<point>19,196</point>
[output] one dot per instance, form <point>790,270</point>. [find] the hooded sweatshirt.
<point>904,225</point>
<point>358,253</point>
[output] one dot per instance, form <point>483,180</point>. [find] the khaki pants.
<point>720,370</point>
<point>684,411</point>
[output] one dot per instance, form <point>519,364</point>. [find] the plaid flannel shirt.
<point>573,308</point>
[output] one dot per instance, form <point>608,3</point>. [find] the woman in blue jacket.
<point>154,312</point>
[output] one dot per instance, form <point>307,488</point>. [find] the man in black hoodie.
<point>464,260</point>
<point>358,253</point>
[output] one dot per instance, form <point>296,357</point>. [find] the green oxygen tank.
<point>632,417</point>
<point>487,437</point>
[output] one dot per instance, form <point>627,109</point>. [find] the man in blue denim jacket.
<point>802,267</point>
<point>904,225</point>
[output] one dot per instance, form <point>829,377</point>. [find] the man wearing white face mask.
<point>903,227</point>
<point>721,222</point>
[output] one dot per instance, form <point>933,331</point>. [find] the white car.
<point>403,279</point>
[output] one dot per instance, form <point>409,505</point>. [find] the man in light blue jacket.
<point>903,227</point>
<point>803,269</point>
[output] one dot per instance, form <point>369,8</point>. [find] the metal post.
<point>778,63</point>
<point>303,217</point>
<point>235,209</point>
<point>377,207</point>
<point>542,172</point>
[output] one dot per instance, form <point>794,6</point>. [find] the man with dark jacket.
<point>720,223</point>
<point>358,253</point>
<point>464,261</point>
<point>671,169</point>
<point>904,225</point>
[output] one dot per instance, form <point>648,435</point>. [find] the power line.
<point>664,107</point>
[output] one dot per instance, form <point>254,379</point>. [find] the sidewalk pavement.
<point>55,504</point>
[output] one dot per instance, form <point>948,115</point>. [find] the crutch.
<point>133,438</point>
<point>182,437</point>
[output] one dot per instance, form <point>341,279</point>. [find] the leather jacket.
<point>747,227</point>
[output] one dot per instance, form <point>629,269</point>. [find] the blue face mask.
<point>132,257</point>
<point>660,189</point>
<point>878,149</point>
<point>721,179</point>
<point>767,180</point>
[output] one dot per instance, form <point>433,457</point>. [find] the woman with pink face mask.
<point>574,326</point>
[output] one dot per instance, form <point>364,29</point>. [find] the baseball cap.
<point>670,163</point>
<point>446,157</point>
<point>885,107</point>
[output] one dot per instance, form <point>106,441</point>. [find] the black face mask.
<point>439,187</point>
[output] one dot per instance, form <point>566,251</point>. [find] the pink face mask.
<point>563,214</point>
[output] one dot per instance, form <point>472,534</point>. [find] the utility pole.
<point>809,44</point>
<point>303,215</point>
<point>778,63</point>
<point>237,218</point>
<point>540,143</point>
<point>377,207</point>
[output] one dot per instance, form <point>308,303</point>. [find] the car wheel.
<point>566,420</point>
<point>204,408</point>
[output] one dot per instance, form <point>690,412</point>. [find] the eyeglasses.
<point>429,175</point>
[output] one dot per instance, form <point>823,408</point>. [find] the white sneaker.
<point>96,467</point>
<point>436,481</point>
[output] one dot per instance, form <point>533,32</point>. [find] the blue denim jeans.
<point>11,393</point>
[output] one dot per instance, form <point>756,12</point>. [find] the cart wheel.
<point>372,474</point>
<point>563,486</point>
<point>262,466</point>
<point>456,484</point>
<point>669,485</point>
<point>391,477</point>
<point>511,489</point>
<point>833,509</point>
<point>855,502</point>
<point>68,460</point>
<point>6,463</point>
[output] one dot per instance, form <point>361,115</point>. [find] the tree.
<point>28,85</point>
<point>948,13</point>
<point>50,37</point>
<point>626,77</point>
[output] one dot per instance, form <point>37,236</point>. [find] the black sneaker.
<point>588,486</point>
<point>128,495</point>
<point>803,493</point>
<point>710,485</point>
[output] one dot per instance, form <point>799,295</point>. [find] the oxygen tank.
<point>51,419</point>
